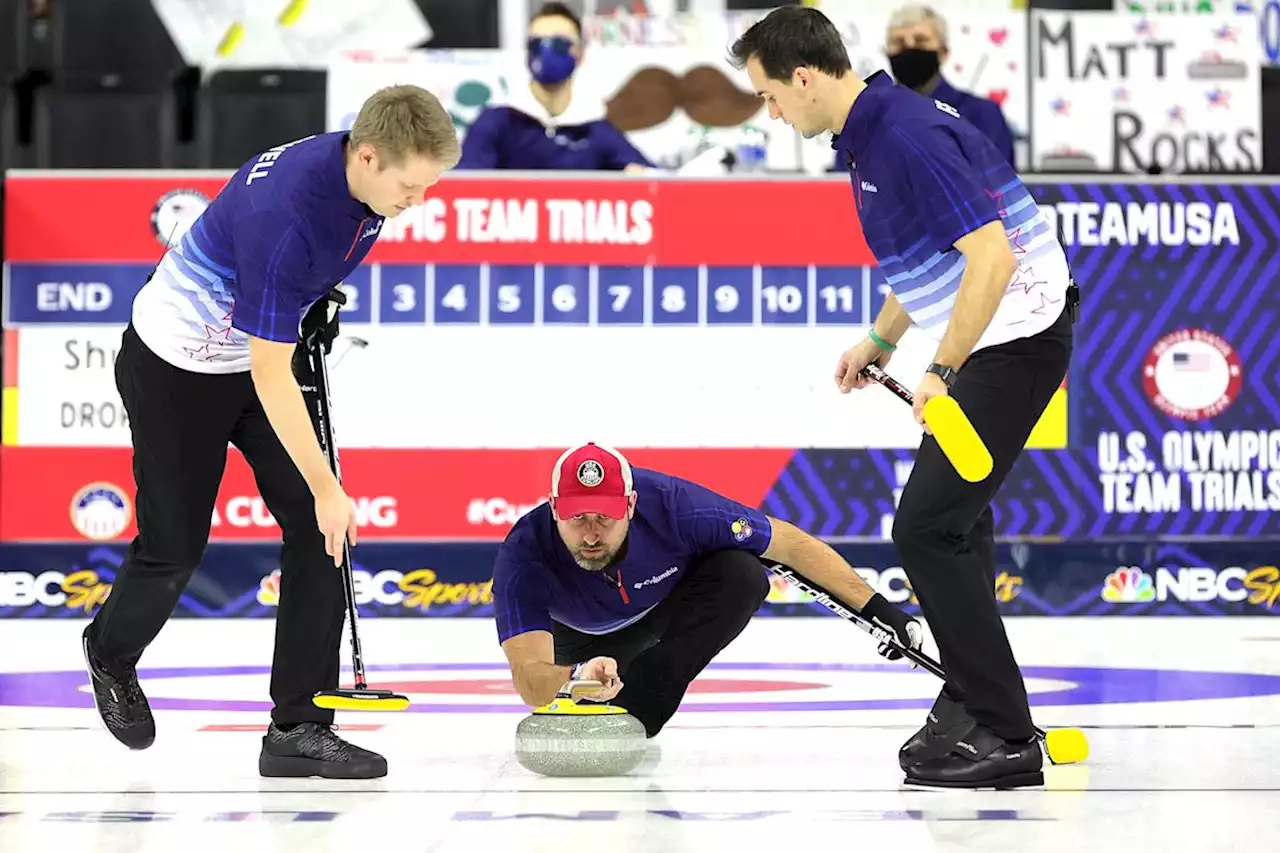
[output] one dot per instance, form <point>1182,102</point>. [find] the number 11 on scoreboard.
<point>841,297</point>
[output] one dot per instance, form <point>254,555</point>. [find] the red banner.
<point>469,219</point>
<point>81,494</point>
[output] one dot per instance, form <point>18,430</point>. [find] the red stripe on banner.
<point>72,494</point>
<point>10,359</point>
<point>475,219</point>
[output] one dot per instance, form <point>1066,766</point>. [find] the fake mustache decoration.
<point>707,96</point>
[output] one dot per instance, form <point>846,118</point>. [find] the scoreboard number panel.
<point>566,295</point>
<point>675,295</point>
<point>839,296</point>
<point>512,295</point>
<point>456,293</point>
<point>784,295</point>
<point>358,287</point>
<point>877,293</point>
<point>730,295</point>
<point>620,296</point>
<point>402,293</point>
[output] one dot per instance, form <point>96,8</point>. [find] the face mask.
<point>914,67</point>
<point>550,61</point>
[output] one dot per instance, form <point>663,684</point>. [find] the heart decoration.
<point>998,36</point>
<point>999,96</point>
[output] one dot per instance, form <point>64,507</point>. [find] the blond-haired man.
<point>207,360</point>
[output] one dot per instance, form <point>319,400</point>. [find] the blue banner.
<point>402,580</point>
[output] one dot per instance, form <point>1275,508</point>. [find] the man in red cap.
<point>638,579</point>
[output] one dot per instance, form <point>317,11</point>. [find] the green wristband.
<point>881,342</point>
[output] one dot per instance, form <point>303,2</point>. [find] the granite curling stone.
<point>564,738</point>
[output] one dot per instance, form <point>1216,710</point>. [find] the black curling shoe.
<point>312,749</point>
<point>946,723</point>
<point>980,759</point>
<point>119,699</point>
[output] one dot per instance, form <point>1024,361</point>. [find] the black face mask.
<point>914,67</point>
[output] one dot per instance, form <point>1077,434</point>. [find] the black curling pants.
<point>660,655</point>
<point>181,423</point>
<point>944,526</point>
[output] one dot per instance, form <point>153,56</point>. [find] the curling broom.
<point>1063,746</point>
<point>956,436</point>
<point>361,698</point>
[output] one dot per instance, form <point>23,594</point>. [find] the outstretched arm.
<point>818,562</point>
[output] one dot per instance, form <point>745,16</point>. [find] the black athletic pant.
<point>181,423</point>
<point>660,654</point>
<point>944,526</point>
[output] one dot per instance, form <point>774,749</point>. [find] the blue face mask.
<point>550,61</point>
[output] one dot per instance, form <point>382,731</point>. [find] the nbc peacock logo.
<point>269,590</point>
<point>1128,585</point>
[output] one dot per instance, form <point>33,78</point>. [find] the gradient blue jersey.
<point>282,232</point>
<point>536,581</point>
<point>923,177</point>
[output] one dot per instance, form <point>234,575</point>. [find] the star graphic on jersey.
<point>194,353</point>
<point>1044,302</point>
<point>1018,248</point>
<point>214,333</point>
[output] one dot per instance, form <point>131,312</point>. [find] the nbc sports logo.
<point>1128,585</point>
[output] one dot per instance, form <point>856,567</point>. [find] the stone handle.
<point>569,687</point>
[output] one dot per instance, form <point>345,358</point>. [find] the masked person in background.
<point>543,125</point>
<point>916,43</point>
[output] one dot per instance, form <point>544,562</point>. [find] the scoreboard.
<point>507,294</point>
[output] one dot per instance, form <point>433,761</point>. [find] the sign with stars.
<point>1131,93</point>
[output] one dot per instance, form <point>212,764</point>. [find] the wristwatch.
<point>948,374</point>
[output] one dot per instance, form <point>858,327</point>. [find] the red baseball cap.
<point>591,479</point>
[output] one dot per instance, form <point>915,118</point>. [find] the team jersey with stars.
<point>536,581</point>
<point>281,233</point>
<point>923,177</point>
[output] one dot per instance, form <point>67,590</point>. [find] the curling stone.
<point>564,738</point>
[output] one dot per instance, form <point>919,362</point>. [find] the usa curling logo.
<point>101,511</point>
<point>1192,374</point>
<point>1129,585</point>
<point>174,214</point>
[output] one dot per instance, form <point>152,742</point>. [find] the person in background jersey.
<point>207,360</point>
<point>544,125</point>
<point>977,268</point>
<point>638,579</point>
